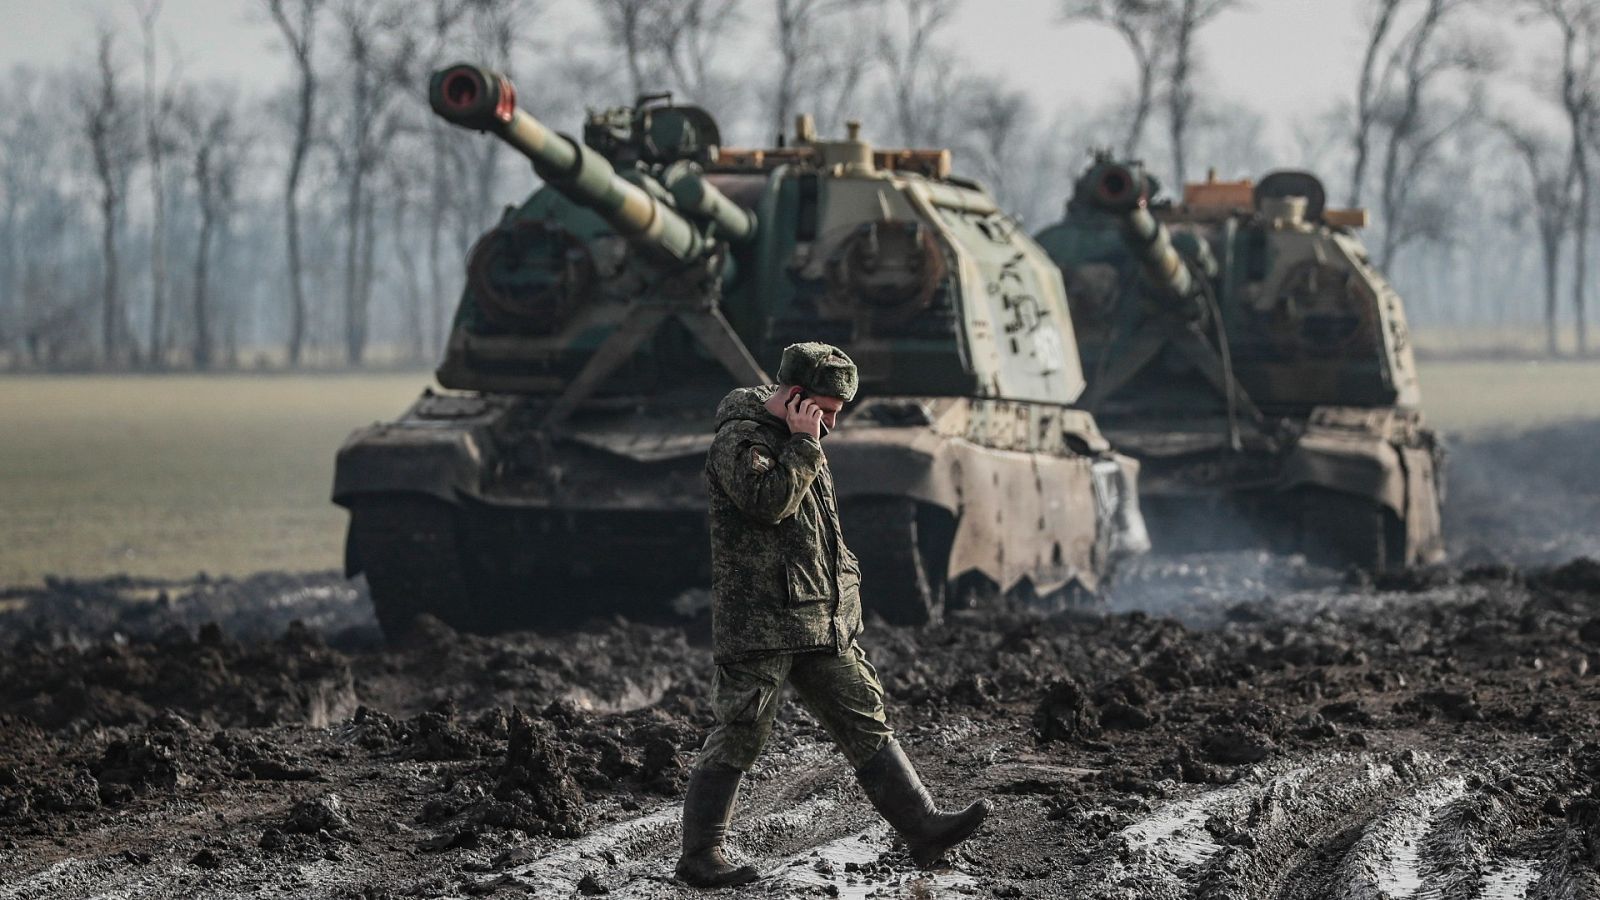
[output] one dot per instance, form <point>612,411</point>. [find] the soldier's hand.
<point>803,416</point>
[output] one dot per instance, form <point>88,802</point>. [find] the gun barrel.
<point>700,198</point>
<point>1123,190</point>
<point>483,100</point>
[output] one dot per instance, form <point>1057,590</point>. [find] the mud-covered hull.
<point>1350,486</point>
<point>1050,520</point>
<point>464,510</point>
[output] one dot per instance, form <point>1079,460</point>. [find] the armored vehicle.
<point>559,471</point>
<point>1241,345</point>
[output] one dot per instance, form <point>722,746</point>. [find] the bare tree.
<point>1142,24</point>
<point>1419,65</point>
<point>51,280</point>
<point>996,122</point>
<point>689,36</point>
<point>401,173</point>
<point>441,28</point>
<point>1581,237</point>
<point>297,21</point>
<point>1367,90</point>
<point>1578,23</point>
<point>113,145</point>
<point>375,54</point>
<point>1188,17</point>
<point>676,44</point>
<point>14,177</point>
<point>217,160</point>
<point>1417,123</point>
<point>848,64</point>
<point>157,108</point>
<point>920,72</point>
<point>22,179</point>
<point>1549,201</point>
<point>1230,136</point>
<point>814,56</point>
<point>629,24</point>
<point>795,22</point>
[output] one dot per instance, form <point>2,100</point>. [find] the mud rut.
<point>1231,726</point>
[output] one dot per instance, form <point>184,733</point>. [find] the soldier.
<point>786,607</point>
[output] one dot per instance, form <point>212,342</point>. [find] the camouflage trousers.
<point>840,690</point>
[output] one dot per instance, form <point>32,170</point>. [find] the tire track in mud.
<point>1243,840</point>
<point>1240,839</point>
<point>1414,826</point>
<point>811,818</point>
<point>1386,860</point>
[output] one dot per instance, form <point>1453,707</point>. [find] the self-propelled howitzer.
<point>1243,347</point>
<point>560,472</point>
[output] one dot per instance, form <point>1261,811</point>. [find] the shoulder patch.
<point>760,460</point>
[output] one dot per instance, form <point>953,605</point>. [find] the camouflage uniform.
<point>786,607</point>
<point>786,602</point>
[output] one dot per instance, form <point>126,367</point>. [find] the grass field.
<point>1473,397</point>
<point>167,476</point>
<point>170,475</point>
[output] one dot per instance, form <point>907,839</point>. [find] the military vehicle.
<point>1241,345</point>
<point>559,472</point>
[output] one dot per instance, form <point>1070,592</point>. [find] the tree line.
<point>152,221</point>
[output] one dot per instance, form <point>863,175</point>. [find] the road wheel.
<point>407,546</point>
<point>902,558</point>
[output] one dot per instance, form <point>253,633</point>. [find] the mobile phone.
<point>803,394</point>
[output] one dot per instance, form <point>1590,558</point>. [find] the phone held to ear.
<point>802,394</point>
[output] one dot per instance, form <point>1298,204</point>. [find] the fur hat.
<point>819,368</point>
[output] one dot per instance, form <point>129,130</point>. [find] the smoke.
<point>1523,498</point>
<point>1210,589</point>
<point>1527,498</point>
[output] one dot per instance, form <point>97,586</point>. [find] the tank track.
<point>902,576</point>
<point>408,546</point>
<point>1342,530</point>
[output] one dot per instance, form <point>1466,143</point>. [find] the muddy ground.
<point>1229,726</point>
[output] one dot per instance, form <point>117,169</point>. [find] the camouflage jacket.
<point>782,580</point>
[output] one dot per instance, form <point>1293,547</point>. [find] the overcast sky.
<point>1287,58</point>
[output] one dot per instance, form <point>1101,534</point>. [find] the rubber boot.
<point>707,810</point>
<point>898,795</point>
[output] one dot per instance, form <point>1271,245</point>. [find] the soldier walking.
<point>786,607</point>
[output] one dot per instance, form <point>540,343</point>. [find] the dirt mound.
<point>535,791</point>
<point>207,677</point>
<point>1065,713</point>
<point>113,768</point>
